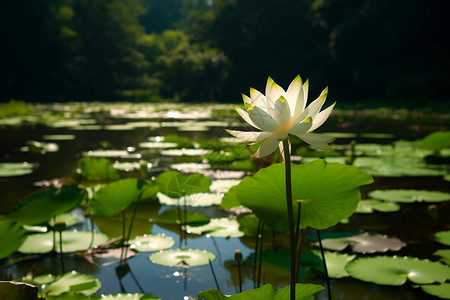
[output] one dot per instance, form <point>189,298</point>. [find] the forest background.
<point>369,52</point>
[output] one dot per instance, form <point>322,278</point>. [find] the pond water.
<point>126,133</point>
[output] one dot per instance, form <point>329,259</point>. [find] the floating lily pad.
<point>129,166</point>
<point>158,145</point>
<point>371,205</point>
<point>193,200</point>
<point>42,206</point>
<point>439,290</point>
<point>182,257</point>
<point>72,282</point>
<point>218,227</point>
<point>185,152</point>
<point>443,237</point>
<point>97,169</point>
<point>409,196</point>
<point>265,194</point>
<point>176,185</point>
<point>15,169</point>
<point>174,217</point>
<point>68,218</point>
<point>336,263</point>
<point>377,135</point>
<point>396,166</point>
<point>444,254</point>
<point>266,292</point>
<point>364,243</point>
<point>59,137</point>
<point>151,242</point>
<point>106,153</point>
<point>190,167</point>
<point>12,236</point>
<point>395,270</point>
<point>116,196</point>
<point>123,296</point>
<point>223,185</point>
<point>73,241</point>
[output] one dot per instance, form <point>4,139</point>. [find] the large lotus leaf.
<point>443,237</point>
<point>175,185</point>
<point>336,263</point>
<point>97,169</point>
<point>18,291</point>
<point>151,242</point>
<point>229,200</point>
<point>72,282</point>
<point>444,254</point>
<point>329,192</point>
<point>193,200</point>
<point>12,236</point>
<point>218,227</point>
<point>409,196</point>
<point>248,224</point>
<point>116,196</point>
<point>436,141</point>
<point>370,205</point>
<point>182,257</point>
<point>15,169</point>
<point>266,292</point>
<point>42,206</point>
<point>174,216</point>
<point>72,241</point>
<point>364,243</point>
<point>439,290</point>
<point>396,270</point>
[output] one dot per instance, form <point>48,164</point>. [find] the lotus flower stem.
<point>61,254</point>
<point>123,236</point>
<point>214,274</point>
<point>255,263</point>
<point>261,240</point>
<point>324,264</point>
<point>138,202</point>
<point>299,253</point>
<point>238,258</point>
<point>290,211</point>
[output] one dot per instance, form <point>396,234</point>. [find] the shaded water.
<point>412,224</point>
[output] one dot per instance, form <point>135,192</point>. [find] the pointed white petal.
<point>321,117</point>
<point>317,104</point>
<point>258,99</point>
<point>246,99</point>
<point>305,89</point>
<point>282,112</point>
<point>263,120</point>
<point>301,128</point>
<point>316,140</point>
<point>293,92</point>
<point>249,136</point>
<point>273,90</point>
<point>269,145</point>
<point>244,115</point>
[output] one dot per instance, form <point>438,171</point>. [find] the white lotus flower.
<point>280,113</point>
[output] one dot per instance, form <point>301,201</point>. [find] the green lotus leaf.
<point>396,270</point>
<point>73,296</point>
<point>182,142</point>
<point>59,137</point>
<point>364,243</point>
<point>436,141</point>
<point>266,292</point>
<point>409,196</point>
<point>18,291</point>
<point>306,152</point>
<point>12,236</point>
<point>336,263</point>
<point>443,237</point>
<point>97,169</point>
<point>377,135</point>
<point>42,206</point>
<point>193,200</point>
<point>73,241</point>
<point>15,169</point>
<point>229,200</point>
<point>72,282</point>
<point>439,290</point>
<point>182,257</point>
<point>151,242</point>
<point>444,254</point>
<point>447,177</point>
<point>176,185</point>
<point>123,296</point>
<point>370,205</point>
<point>395,166</point>
<point>329,192</point>
<point>218,227</point>
<point>174,217</point>
<point>111,199</point>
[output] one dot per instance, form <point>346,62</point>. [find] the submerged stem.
<point>290,211</point>
<point>324,264</point>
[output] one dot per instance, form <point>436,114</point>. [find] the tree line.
<point>212,50</point>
